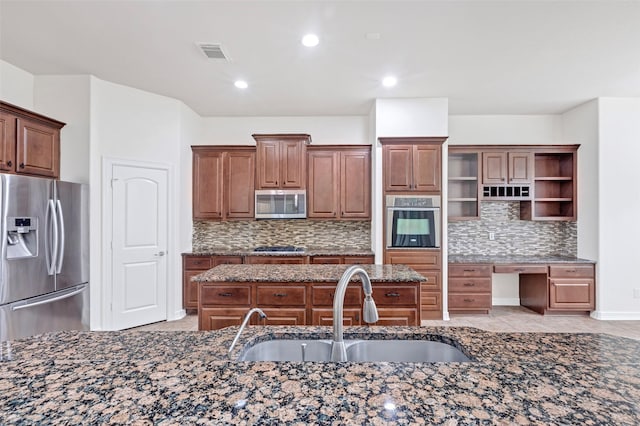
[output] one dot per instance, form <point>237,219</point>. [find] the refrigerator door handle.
<point>45,301</point>
<point>61,252</point>
<point>51,247</point>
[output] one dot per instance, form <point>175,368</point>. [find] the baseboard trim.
<point>177,315</point>
<point>506,301</point>
<point>616,316</point>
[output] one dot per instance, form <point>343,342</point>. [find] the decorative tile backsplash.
<point>512,235</point>
<point>297,232</point>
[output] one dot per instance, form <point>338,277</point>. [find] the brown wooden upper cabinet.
<point>29,142</point>
<point>223,182</point>
<point>339,184</point>
<point>281,161</point>
<point>412,164</point>
<point>507,167</point>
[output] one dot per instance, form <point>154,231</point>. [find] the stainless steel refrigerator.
<point>44,257</point>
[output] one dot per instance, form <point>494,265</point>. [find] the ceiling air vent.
<point>213,51</point>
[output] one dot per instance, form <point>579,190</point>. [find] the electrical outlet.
<point>636,293</point>
<point>492,236</point>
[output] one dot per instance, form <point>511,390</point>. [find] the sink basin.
<point>357,351</point>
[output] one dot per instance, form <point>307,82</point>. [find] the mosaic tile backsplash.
<point>512,235</point>
<point>296,232</point>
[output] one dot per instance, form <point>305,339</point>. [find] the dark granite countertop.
<point>145,377</point>
<point>478,258</point>
<point>308,251</point>
<point>304,273</point>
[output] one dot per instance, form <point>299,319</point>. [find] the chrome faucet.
<point>370,312</point>
<point>244,324</point>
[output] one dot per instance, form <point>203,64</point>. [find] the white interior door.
<point>139,246</point>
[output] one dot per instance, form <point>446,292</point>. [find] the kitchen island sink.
<point>357,351</point>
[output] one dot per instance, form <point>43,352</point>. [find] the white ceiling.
<point>487,57</point>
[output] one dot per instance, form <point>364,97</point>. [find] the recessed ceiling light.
<point>310,40</point>
<point>389,81</point>
<point>241,84</point>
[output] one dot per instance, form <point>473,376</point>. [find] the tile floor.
<point>501,318</point>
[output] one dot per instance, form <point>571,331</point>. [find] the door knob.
<point>159,254</point>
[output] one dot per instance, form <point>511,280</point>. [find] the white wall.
<point>345,130</point>
<point>619,232</point>
<point>67,98</point>
<point>130,124</point>
<point>16,85</point>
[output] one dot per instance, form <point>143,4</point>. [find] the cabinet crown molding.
<point>303,137</point>
<point>25,113</point>
<point>413,140</point>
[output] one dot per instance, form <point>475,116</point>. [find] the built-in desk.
<point>548,285</point>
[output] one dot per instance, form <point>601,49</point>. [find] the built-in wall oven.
<point>413,221</point>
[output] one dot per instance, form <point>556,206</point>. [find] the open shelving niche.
<point>463,201</point>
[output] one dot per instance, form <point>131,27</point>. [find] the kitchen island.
<point>303,294</point>
<point>142,377</point>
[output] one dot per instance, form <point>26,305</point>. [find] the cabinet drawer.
<point>430,301</point>
<point>326,260</point>
<point>227,260</point>
<point>425,259</point>
<point>281,296</point>
<point>275,260</point>
<point>398,316</point>
<point>395,295</point>
<point>200,262</point>
<point>571,294</point>
<point>472,284</point>
<point>433,281</point>
<point>216,318</point>
<point>469,270</point>
<point>520,269</point>
<point>323,296</point>
<point>225,295</point>
<point>470,301</point>
<point>281,316</point>
<point>358,260</point>
<point>571,271</point>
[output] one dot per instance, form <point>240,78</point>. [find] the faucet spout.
<point>244,324</point>
<point>370,312</point>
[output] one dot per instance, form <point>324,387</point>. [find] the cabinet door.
<point>324,316</point>
<point>7,142</point>
<point>292,165</point>
<point>398,163</point>
<point>37,148</point>
<point>268,158</point>
<point>284,316</point>
<point>426,167</point>
<point>494,168</point>
<point>324,186</point>
<point>216,318</point>
<point>190,290</point>
<point>355,184</point>
<point>240,170</point>
<point>520,167</point>
<point>398,316</point>
<point>207,184</point>
<point>570,294</point>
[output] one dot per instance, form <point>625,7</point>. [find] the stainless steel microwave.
<point>413,221</point>
<point>281,204</point>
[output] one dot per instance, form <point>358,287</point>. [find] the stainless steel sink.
<point>357,351</point>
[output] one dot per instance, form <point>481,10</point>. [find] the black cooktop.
<point>279,249</point>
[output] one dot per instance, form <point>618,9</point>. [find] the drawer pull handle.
<point>572,271</point>
<point>469,270</point>
<point>469,300</point>
<point>469,284</point>
<point>279,294</point>
<point>225,294</point>
<point>394,294</point>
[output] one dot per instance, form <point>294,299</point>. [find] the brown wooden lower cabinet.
<point>224,304</point>
<point>275,260</point>
<point>469,288</point>
<point>193,265</point>
<point>426,263</point>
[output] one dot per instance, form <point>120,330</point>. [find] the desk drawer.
<point>469,301</point>
<point>470,285</point>
<point>469,270</point>
<point>395,295</point>
<point>281,296</point>
<point>571,271</point>
<point>520,269</point>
